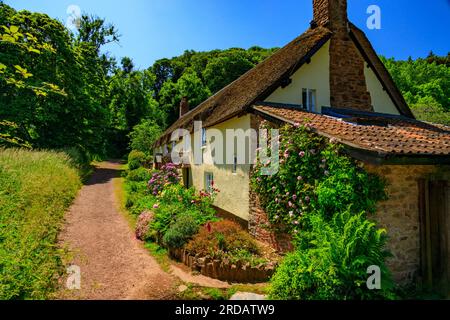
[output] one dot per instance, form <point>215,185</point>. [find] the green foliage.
<point>181,231</point>
<point>139,175</point>
<point>331,261</point>
<point>36,188</point>
<point>314,175</point>
<point>144,135</point>
<point>136,159</point>
<point>169,203</point>
<point>46,118</point>
<point>425,84</point>
<point>322,196</point>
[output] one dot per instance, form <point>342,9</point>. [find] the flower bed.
<point>184,221</point>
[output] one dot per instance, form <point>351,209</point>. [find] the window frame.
<point>209,187</point>
<point>309,99</point>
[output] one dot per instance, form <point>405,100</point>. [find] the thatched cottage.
<point>332,76</point>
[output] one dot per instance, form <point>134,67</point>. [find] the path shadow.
<point>104,175</point>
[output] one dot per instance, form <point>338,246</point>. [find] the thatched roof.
<point>254,85</point>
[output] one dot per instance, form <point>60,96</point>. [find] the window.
<point>309,99</point>
<point>204,137</point>
<point>209,181</point>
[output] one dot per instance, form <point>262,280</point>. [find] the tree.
<point>225,69</point>
<point>144,135</point>
<point>189,85</point>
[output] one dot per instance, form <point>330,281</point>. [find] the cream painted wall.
<point>234,187</point>
<point>381,101</point>
<point>314,75</point>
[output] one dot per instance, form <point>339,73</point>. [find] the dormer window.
<point>309,99</point>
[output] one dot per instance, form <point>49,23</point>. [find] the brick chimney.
<point>348,88</point>
<point>184,106</point>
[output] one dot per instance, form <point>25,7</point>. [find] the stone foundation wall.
<point>399,215</point>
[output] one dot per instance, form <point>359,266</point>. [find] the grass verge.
<point>36,188</point>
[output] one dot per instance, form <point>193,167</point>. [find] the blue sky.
<point>154,29</point>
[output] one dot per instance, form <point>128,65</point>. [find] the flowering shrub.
<point>143,224</point>
<point>322,196</point>
<point>314,176</point>
<point>225,240</point>
<point>167,176</point>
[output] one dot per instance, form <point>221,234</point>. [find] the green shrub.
<point>139,175</point>
<point>144,135</point>
<point>36,188</point>
<point>136,159</point>
<point>181,231</point>
<point>331,261</point>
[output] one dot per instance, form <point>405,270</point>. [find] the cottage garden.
<point>325,206</point>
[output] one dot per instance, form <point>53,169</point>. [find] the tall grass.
<point>36,188</point>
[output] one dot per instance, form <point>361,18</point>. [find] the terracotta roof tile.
<point>397,136</point>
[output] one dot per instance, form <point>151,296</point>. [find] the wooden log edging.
<point>224,270</point>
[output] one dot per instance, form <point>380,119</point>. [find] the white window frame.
<point>204,138</point>
<point>209,179</point>
<point>311,99</point>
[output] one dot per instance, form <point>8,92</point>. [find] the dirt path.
<point>114,265</point>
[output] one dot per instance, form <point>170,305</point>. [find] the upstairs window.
<point>309,100</point>
<point>204,137</point>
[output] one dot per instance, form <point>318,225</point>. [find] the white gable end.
<point>381,101</point>
<point>313,76</point>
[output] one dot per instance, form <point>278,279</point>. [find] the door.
<point>435,235</point>
<point>187,178</point>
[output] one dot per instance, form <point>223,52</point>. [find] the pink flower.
<point>274,188</point>
<point>294,197</point>
<point>299,178</point>
<point>155,206</point>
<point>296,125</point>
<point>302,154</point>
<point>290,204</point>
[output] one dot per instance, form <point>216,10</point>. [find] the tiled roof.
<point>393,136</point>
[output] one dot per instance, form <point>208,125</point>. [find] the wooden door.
<point>435,235</point>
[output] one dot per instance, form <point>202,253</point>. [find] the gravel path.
<point>114,265</point>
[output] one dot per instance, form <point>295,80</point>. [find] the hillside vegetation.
<point>36,188</point>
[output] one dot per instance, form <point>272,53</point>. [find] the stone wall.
<point>261,229</point>
<point>399,215</point>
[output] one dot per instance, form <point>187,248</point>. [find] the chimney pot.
<point>184,106</point>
